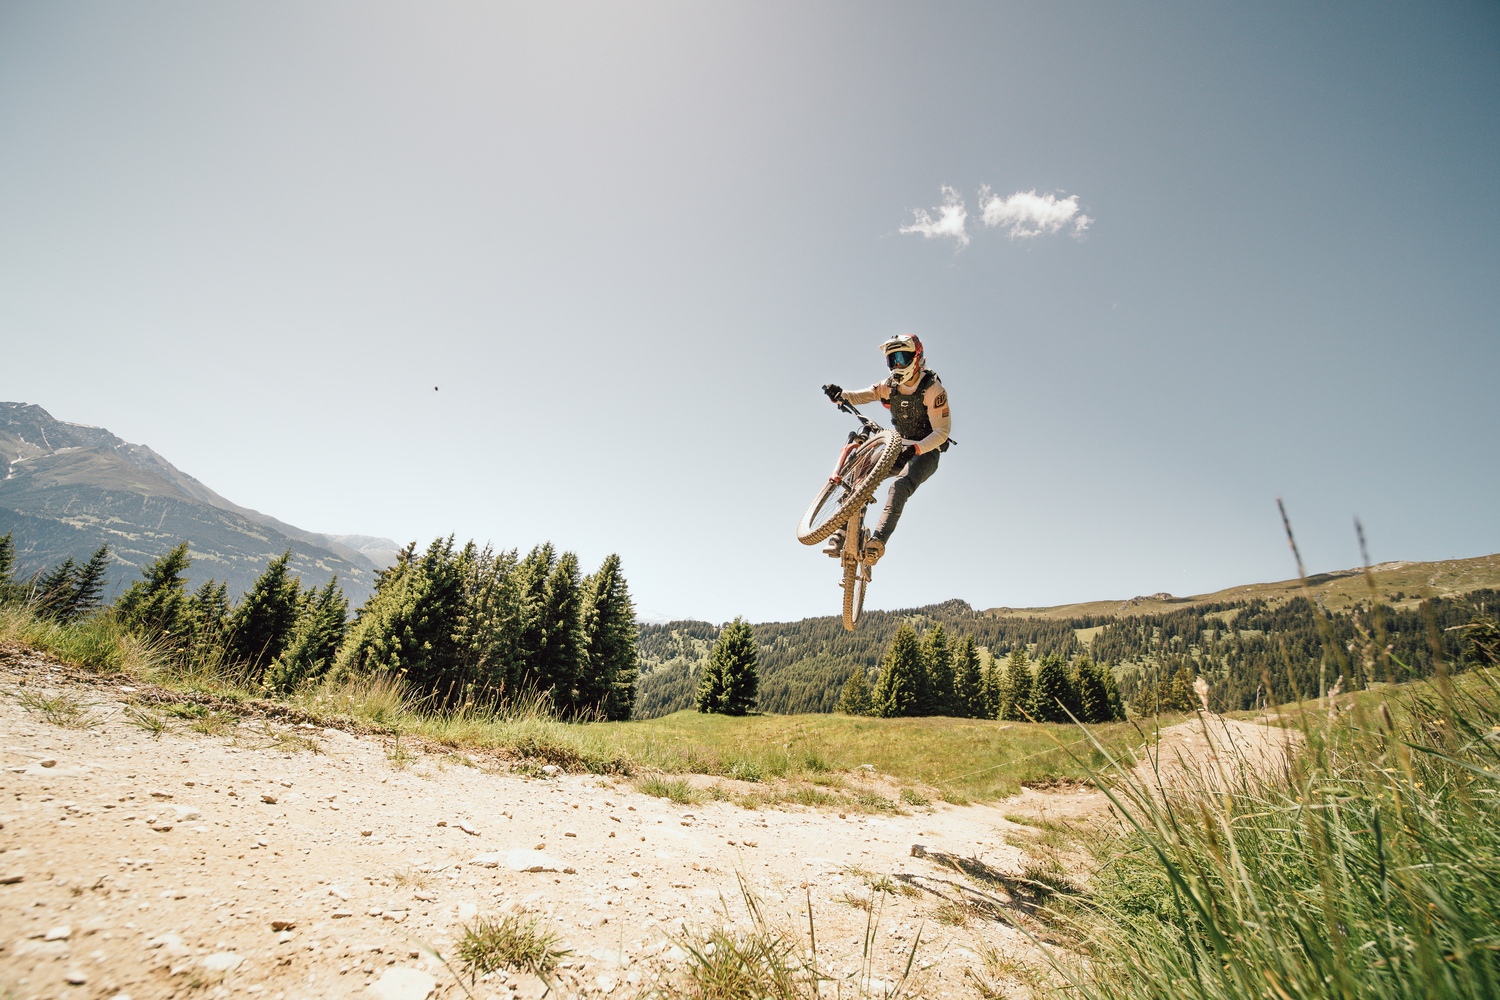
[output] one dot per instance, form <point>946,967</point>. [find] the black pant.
<point>903,485</point>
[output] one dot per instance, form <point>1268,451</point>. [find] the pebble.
<point>402,983</point>
<point>485,861</point>
<point>466,828</point>
<point>59,933</point>
<point>606,983</point>
<point>547,769</point>
<point>340,914</point>
<point>171,945</point>
<point>268,799</point>
<point>76,977</point>
<point>569,833</point>
<point>11,878</point>
<point>48,762</point>
<point>185,813</point>
<point>426,897</point>
<point>339,891</point>
<point>222,961</point>
<point>283,925</point>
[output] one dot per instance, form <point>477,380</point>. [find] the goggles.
<point>900,359</point>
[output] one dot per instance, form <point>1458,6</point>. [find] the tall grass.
<point>96,641</point>
<point>1370,869</point>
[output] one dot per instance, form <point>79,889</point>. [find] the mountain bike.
<point>866,459</point>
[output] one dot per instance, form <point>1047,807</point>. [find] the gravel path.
<point>229,865</point>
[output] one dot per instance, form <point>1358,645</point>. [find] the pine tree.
<point>731,678</point>
<point>88,585</point>
<point>7,565</point>
<point>1093,697</point>
<point>710,693</point>
<point>995,688</point>
<point>1017,699</point>
<point>53,590</point>
<point>208,614</point>
<point>969,686</point>
<point>608,684</point>
<point>1053,690</point>
<point>410,626</point>
<point>157,605</point>
<point>855,698</point>
<point>938,661</point>
<point>898,689</point>
<point>1112,692</point>
<point>69,591</point>
<point>1178,696</point>
<point>315,638</point>
<point>531,632</point>
<point>262,622</point>
<point>559,663</point>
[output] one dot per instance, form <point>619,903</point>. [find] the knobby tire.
<point>889,443</point>
<point>854,595</point>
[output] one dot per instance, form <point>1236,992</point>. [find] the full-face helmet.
<point>903,356</point>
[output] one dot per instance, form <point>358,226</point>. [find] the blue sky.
<point>629,243</point>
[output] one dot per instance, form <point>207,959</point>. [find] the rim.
<point>857,470</point>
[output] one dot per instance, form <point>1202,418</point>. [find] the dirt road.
<point>287,861</point>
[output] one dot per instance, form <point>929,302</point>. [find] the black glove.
<point>907,454</point>
<point>833,392</point>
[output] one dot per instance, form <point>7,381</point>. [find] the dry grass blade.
<point>149,721</point>
<point>64,709</point>
<point>511,942</point>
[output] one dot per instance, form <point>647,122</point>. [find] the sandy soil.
<point>233,865</point>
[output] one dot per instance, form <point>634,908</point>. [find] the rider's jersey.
<point>919,411</point>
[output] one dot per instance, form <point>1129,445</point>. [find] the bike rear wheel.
<point>852,487</point>
<point>855,578</point>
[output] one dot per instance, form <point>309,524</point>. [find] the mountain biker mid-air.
<point>919,409</point>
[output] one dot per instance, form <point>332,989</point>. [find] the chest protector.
<point>909,413</point>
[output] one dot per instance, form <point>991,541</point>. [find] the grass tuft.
<point>149,721</point>
<point>679,790</point>
<point>511,942</point>
<point>65,710</point>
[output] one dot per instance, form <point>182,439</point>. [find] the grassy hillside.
<point>1245,640</point>
<point>1412,581</point>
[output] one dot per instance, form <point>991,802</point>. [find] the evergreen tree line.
<point>451,623</point>
<point>1249,652</point>
<point>803,664</point>
<point>925,676</point>
<point>1252,654</point>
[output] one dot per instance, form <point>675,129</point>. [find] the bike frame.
<point>854,528</point>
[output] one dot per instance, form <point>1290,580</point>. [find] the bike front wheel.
<point>851,488</point>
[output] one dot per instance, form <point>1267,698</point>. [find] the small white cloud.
<point>1027,213</point>
<point>951,220</point>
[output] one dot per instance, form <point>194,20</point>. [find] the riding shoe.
<point>874,549</point>
<point>835,547</point>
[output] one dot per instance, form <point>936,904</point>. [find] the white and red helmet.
<point>903,356</point>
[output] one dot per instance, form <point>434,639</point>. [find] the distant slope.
<point>69,488</point>
<point>1336,589</point>
<point>803,665</point>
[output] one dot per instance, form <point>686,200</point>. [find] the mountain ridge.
<point>69,488</point>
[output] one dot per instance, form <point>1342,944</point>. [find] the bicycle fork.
<point>855,537</point>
